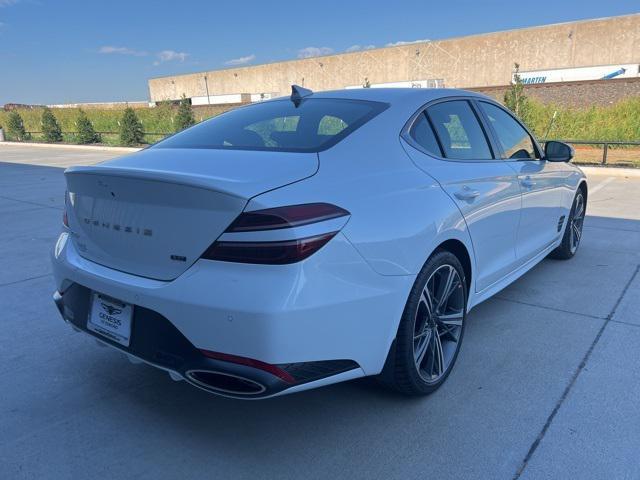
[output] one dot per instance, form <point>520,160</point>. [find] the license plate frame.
<point>110,318</point>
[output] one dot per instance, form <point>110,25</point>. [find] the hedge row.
<point>156,122</point>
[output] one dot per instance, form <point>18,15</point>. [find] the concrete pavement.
<point>545,386</point>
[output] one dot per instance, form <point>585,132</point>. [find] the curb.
<point>95,148</point>
<point>611,171</point>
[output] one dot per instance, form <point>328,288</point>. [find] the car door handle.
<point>467,194</point>
<point>527,182</point>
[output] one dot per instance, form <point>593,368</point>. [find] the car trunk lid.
<point>155,212</point>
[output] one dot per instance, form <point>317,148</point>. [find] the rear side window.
<point>314,125</point>
<point>423,134</point>
<point>516,143</point>
<point>459,131</point>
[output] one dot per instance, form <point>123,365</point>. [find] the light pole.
<point>206,86</point>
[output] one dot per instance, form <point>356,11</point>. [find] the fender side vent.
<point>560,223</point>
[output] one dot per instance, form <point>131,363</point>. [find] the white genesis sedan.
<point>313,239</point>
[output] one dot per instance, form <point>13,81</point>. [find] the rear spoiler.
<point>205,182</point>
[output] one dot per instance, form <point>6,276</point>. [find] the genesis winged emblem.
<point>110,309</point>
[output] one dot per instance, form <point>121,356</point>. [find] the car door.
<point>541,182</point>
<point>448,141</point>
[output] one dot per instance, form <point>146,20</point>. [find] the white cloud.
<point>241,60</point>
<point>170,56</point>
<point>355,48</point>
<point>401,42</point>
<point>8,3</point>
<point>109,49</point>
<point>161,57</point>
<point>309,52</point>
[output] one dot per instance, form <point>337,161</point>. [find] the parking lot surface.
<point>546,385</point>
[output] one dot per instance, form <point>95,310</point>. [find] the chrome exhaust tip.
<point>225,383</point>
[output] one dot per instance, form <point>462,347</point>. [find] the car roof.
<point>396,96</point>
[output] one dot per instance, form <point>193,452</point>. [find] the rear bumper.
<point>157,342</point>
<point>328,309</point>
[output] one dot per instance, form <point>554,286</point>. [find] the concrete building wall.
<point>473,61</point>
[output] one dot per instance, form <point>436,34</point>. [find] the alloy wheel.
<point>577,220</point>
<point>438,323</point>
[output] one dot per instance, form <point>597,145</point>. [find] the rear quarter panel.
<point>399,214</point>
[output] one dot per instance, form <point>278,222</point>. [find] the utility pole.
<point>206,86</point>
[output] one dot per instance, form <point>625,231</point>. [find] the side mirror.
<point>558,151</point>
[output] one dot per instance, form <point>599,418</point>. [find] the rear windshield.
<point>314,125</point>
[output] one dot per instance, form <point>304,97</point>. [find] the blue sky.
<point>55,51</point>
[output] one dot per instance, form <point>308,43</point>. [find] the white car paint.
<point>343,302</point>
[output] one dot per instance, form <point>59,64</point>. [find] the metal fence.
<point>150,137</point>
<point>606,152</point>
<point>102,133</point>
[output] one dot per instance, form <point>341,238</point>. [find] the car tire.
<point>573,230</point>
<point>431,329</point>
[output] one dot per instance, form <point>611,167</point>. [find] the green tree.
<point>15,127</point>
<point>86,132</point>
<point>131,133</point>
<point>50,128</point>
<point>515,98</point>
<point>185,117</point>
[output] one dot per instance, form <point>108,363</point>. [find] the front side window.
<point>314,125</point>
<point>516,143</point>
<point>459,131</point>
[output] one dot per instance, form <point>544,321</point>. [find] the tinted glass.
<point>459,131</point>
<point>423,134</point>
<point>315,124</point>
<point>331,125</point>
<point>515,141</point>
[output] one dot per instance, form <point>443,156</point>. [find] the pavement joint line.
<point>611,228</point>
<point>574,378</point>
<point>31,203</point>
<point>26,210</point>
<point>629,324</point>
<point>25,280</point>
<point>601,185</point>
<point>554,309</point>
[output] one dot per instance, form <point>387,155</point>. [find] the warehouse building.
<point>583,54</point>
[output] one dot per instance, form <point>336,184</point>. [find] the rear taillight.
<point>272,253</point>
<point>65,218</point>
<point>286,217</point>
<point>303,230</point>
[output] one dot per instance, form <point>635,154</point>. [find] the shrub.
<point>86,132</point>
<point>50,128</point>
<point>515,99</point>
<point>185,117</point>
<point>15,127</point>
<point>131,132</point>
